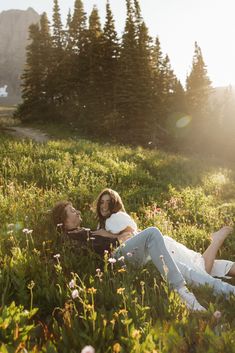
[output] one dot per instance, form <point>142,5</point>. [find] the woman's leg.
<point>149,245</point>
<point>199,278</point>
<point>231,272</point>
<point>217,240</point>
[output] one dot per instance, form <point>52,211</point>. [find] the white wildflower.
<point>72,284</point>
<point>74,293</point>
<point>88,349</point>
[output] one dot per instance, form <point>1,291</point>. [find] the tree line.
<point>120,88</point>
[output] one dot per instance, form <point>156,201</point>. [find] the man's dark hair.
<point>59,213</point>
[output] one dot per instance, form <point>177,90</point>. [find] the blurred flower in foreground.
<point>72,284</point>
<point>217,314</point>
<point>88,349</point>
<point>116,348</point>
<point>74,293</point>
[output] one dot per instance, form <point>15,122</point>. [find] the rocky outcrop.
<point>14,26</point>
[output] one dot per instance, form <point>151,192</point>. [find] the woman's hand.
<point>103,233</point>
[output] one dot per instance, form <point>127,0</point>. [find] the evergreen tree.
<point>35,88</point>
<point>57,26</point>
<point>58,58</point>
<point>32,81</point>
<point>198,86</point>
<point>46,58</point>
<point>144,100</point>
<point>94,107</point>
<point>127,74</point>
<point>77,27</point>
<point>77,50</point>
<point>110,54</point>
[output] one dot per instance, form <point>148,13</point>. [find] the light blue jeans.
<point>200,278</point>
<point>149,245</point>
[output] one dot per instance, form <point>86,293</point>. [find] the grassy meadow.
<point>112,307</point>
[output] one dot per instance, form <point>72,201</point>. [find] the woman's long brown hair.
<point>115,205</point>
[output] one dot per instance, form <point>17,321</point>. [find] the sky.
<point>178,23</point>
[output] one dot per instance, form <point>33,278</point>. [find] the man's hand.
<point>103,233</point>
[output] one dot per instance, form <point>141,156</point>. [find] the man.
<point>68,219</point>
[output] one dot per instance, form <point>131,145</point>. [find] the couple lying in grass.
<point>178,264</point>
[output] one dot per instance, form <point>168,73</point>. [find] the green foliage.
<point>114,308</point>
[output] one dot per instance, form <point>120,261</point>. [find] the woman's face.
<point>105,205</point>
<point>73,217</point>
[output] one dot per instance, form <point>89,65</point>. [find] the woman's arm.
<point>125,234</point>
<point>122,236</point>
<point>104,233</point>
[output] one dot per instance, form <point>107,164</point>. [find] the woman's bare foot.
<point>221,234</point>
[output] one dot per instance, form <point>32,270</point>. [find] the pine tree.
<point>57,26</point>
<point>110,54</point>
<point>58,58</point>
<point>32,76</point>
<point>94,108</point>
<point>126,80</point>
<point>78,67</point>
<point>144,101</point>
<point>198,86</point>
<point>77,26</point>
<point>46,57</point>
<point>35,84</point>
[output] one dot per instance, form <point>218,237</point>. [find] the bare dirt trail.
<point>28,132</point>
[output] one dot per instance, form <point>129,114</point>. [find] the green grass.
<point>117,309</point>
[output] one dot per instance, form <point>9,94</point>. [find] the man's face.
<point>73,218</point>
<point>105,205</point>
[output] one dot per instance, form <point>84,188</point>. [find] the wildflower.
<point>129,254</point>
<point>217,314</point>
<point>106,252</point>
<point>27,231</point>
<point>111,260</point>
<point>121,270</point>
<point>120,290</point>
<point>89,307</point>
<point>56,256</point>
<point>122,312</point>
<point>74,293</point>
<point>161,257</point>
<point>122,258</point>
<point>10,225</point>
<point>116,348</point>
<point>136,334</point>
<point>91,290</point>
<point>98,270</point>
<point>88,349</point>
<point>72,284</point>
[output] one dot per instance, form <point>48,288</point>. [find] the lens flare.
<point>183,122</point>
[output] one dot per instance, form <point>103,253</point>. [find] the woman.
<point>151,245</point>
<point>109,203</point>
